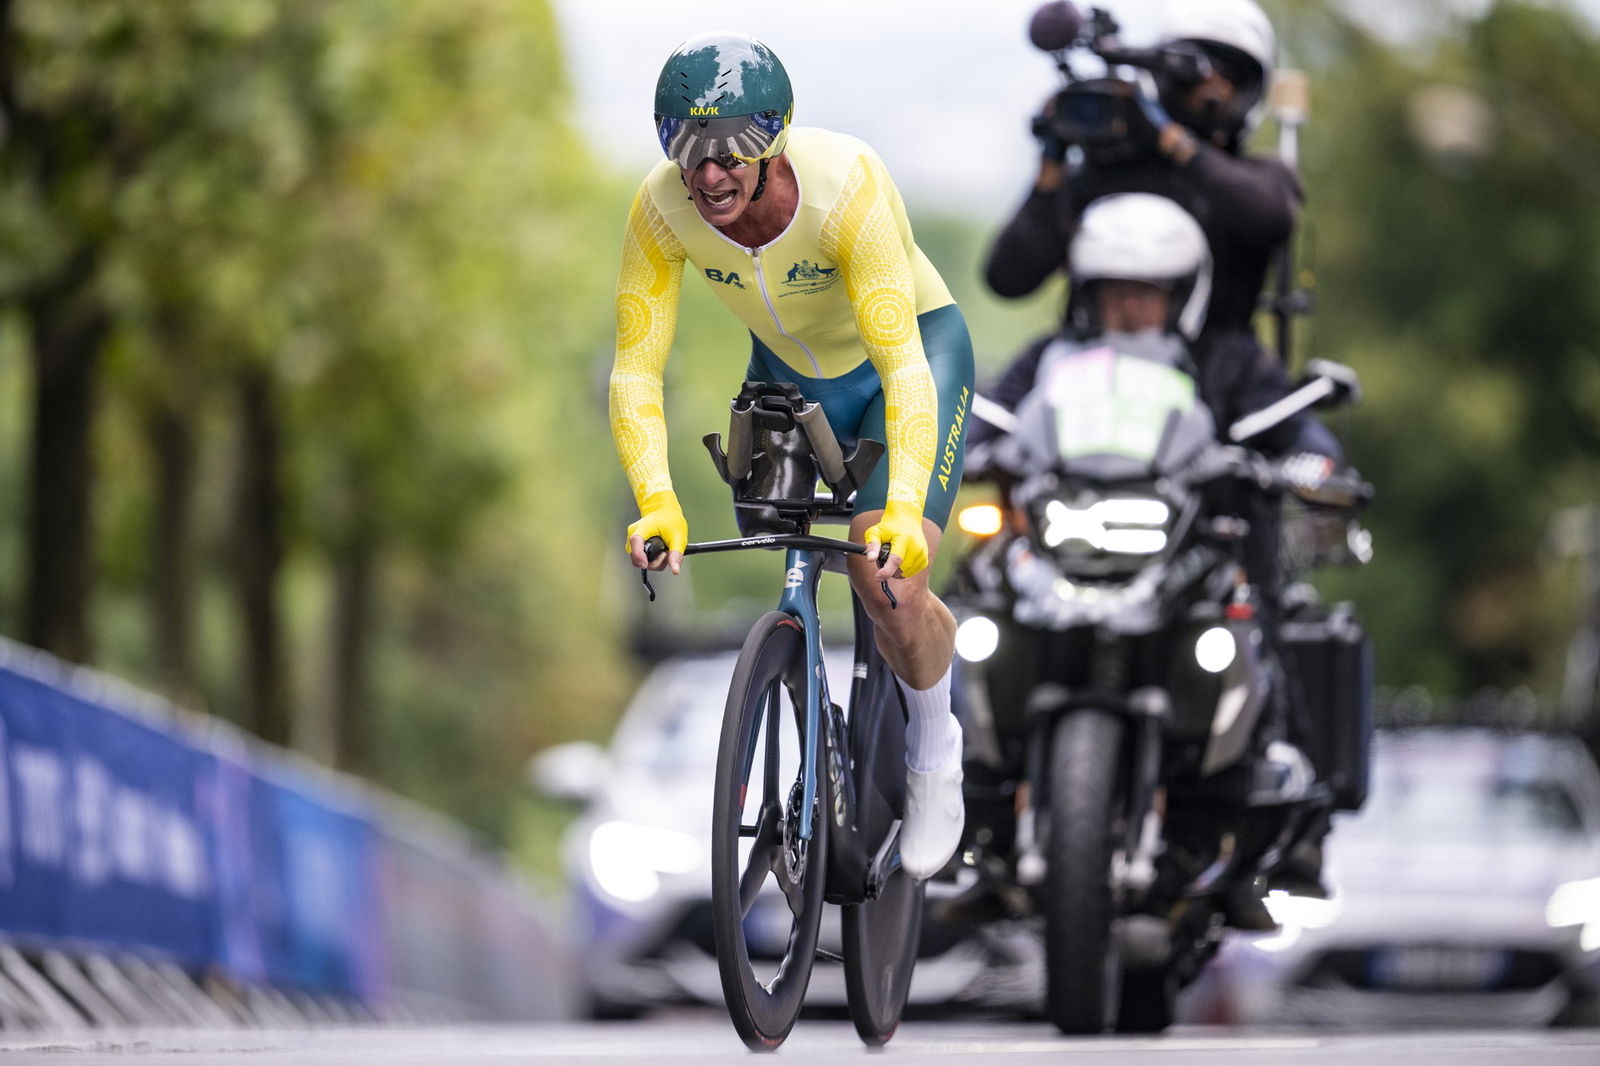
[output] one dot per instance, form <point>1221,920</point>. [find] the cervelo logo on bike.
<point>796,576</point>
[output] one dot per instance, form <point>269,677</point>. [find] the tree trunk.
<point>353,732</point>
<point>259,542</point>
<point>67,327</point>
<point>173,567</point>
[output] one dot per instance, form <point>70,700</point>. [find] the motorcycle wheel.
<point>1083,968</point>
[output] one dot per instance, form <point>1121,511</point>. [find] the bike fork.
<point>802,572</point>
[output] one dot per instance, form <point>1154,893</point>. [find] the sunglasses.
<point>731,141</point>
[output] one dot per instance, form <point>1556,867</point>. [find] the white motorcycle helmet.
<point>1139,236</point>
<point>1237,37</point>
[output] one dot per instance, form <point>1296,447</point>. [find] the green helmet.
<point>723,96</point>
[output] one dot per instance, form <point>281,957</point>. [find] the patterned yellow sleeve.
<point>862,235</point>
<point>647,314</point>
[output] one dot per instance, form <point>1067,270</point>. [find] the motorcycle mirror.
<point>1346,383</point>
<point>994,414</point>
<point>1291,97</point>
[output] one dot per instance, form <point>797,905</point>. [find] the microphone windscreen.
<point>1055,26</point>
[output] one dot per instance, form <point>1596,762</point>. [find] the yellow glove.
<point>901,529</point>
<point>660,516</point>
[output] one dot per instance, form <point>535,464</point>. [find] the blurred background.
<point>305,317</point>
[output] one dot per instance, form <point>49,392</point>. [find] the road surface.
<point>707,1040</point>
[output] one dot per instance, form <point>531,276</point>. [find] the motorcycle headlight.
<point>980,520</point>
<point>977,638</point>
<point>1114,526</point>
<point>1215,650</point>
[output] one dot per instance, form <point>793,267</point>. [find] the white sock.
<point>932,738</point>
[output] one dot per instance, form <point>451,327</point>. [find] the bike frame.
<point>805,556</point>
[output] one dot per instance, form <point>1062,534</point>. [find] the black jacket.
<point>1247,207</point>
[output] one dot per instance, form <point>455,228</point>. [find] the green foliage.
<point>1452,198</point>
<point>382,207</point>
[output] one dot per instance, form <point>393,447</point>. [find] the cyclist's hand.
<point>901,529</point>
<point>660,516</point>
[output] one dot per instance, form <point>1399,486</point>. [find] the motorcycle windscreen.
<point>1105,405</point>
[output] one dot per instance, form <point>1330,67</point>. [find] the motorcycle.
<point>1117,669</point>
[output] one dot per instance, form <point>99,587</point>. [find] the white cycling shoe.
<point>935,815</point>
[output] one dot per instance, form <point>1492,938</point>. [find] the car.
<point>1466,892</point>
<point>638,859</point>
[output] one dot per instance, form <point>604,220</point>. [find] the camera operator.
<point>1183,142</point>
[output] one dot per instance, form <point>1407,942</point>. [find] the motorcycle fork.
<point>1145,711</point>
<point>1136,871</point>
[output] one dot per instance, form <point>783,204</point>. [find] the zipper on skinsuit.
<point>761,283</point>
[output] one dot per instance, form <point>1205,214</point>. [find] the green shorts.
<point>854,405</point>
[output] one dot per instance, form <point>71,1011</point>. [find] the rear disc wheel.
<point>881,935</point>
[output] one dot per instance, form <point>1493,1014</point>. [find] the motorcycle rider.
<point>868,330</point>
<point>1140,274</point>
<point>1141,279</point>
<point>1186,143</point>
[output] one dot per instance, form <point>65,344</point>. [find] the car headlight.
<point>1305,912</point>
<point>1294,915</point>
<point>628,859</point>
<point>1577,903</point>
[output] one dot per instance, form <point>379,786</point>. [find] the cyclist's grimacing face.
<point>720,192</point>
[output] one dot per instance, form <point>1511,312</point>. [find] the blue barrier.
<point>99,842</point>
<point>128,829</point>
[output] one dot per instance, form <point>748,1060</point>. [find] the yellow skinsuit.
<point>843,283</point>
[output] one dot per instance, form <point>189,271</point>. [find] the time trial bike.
<point>809,798</point>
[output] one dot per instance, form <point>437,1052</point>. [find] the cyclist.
<point>1187,145</point>
<point>803,236</point>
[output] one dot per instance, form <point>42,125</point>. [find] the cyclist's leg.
<point>917,637</point>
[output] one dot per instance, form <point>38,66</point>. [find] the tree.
<point>324,289</point>
<point>1451,196</point>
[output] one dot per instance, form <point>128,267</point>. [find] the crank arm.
<point>885,862</point>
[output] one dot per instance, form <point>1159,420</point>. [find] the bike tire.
<point>881,935</point>
<point>763,717</point>
<point>1083,975</point>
